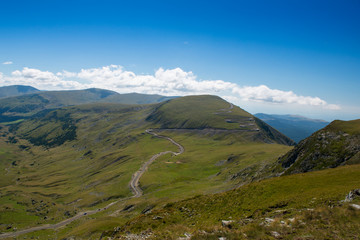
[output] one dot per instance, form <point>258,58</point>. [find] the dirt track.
<point>134,183</point>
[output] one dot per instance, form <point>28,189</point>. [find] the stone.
<point>356,206</point>
<point>275,234</point>
<point>352,195</point>
<point>227,223</point>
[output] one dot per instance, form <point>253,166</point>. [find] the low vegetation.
<point>294,206</point>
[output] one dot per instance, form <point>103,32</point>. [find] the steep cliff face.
<point>335,145</point>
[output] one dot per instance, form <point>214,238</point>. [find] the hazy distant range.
<point>294,126</point>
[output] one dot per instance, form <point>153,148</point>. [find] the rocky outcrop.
<point>352,195</point>
<point>335,145</point>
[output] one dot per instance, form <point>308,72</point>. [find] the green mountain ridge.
<point>19,107</point>
<point>336,144</point>
<point>186,113</point>
<point>211,112</point>
<point>16,90</point>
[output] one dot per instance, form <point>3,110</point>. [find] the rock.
<point>187,236</point>
<point>291,219</point>
<point>67,214</point>
<point>352,195</point>
<point>356,206</point>
<point>267,221</point>
<point>147,209</point>
<point>275,234</point>
<point>246,221</point>
<point>128,208</point>
<point>222,238</point>
<point>227,223</point>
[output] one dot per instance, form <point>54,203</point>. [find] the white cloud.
<point>8,63</point>
<point>263,93</point>
<point>175,82</point>
<point>39,79</point>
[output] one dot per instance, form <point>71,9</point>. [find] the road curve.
<point>134,185</point>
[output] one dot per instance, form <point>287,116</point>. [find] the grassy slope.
<point>207,165</point>
<point>94,169</point>
<point>212,112</point>
<point>278,198</point>
<point>350,127</point>
<point>336,144</point>
<point>196,112</point>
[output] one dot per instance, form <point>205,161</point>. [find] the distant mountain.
<point>16,90</point>
<point>13,108</point>
<point>136,98</point>
<point>336,144</point>
<point>294,126</point>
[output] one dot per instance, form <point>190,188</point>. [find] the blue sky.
<point>309,48</point>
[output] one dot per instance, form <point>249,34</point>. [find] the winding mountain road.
<point>134,185</point>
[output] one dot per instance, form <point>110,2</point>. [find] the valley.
<point>134,185</point>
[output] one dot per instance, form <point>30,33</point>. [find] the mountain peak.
<point>16,90</point>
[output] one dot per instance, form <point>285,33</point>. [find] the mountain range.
<point>294,126</point>
<point>95,164</point>
<point>25,105</point>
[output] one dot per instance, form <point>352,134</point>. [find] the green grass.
<point>207,165</point>
<point>350,127</point>
<point>281,197</point>
<point>207,113</point>
<point>196,112</point>
<point>92,171</point>
<point>12,122</point>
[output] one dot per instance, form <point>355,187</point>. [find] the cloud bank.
<point>169,82</point>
